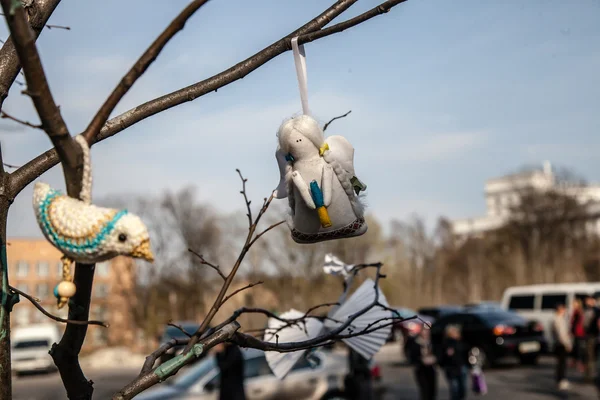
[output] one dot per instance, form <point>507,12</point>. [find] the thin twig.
<point>265,231</point>
<point>58,27</point>
<point>334,118</point>
<point>36,304</point>
<point>180,328</point>
<point>10,165</point>
<point>247,245</point>
<point>248,286</point>
<point>243,192</point>
<point>139,68</point>
<point>20,121</point>
<point>204,262</point>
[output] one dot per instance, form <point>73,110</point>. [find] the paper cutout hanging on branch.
<point>83,232</point>
<point>335,266</point>
<point>317,175</point>
<point>367,345</point>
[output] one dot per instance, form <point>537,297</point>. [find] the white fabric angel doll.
<point>317,176</point>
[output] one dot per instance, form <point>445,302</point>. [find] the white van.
<point>30,346</point>
<point>538,302</point>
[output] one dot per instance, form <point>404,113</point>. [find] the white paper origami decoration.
<point>317,175</point>
<point>366,345</point>
<point>83,232</point>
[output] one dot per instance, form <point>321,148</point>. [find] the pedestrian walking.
<point>455,360</point>
<point>591,317</point>
<point>562,345</point>
<point>424,360</point>
<point>579,352</point>
<point>358,383</point>
<point>230,361</point>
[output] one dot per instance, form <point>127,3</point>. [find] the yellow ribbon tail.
<point>324,217</point>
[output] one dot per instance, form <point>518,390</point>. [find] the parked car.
<point>494,335</point>
<point>538,302</point>
<point>172,332</point>
<point>484,305</point>
<point>439,311</point>
<point>324,380</point>
<point>30,346</point>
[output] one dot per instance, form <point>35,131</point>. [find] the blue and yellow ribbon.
<point>317,196</point>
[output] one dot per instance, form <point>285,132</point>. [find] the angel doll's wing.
<point>278,332</point>
<point>376,317</point>
<point>341,151</point>
<point>281,192</point>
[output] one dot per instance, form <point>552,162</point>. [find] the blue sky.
<point>444,95</point>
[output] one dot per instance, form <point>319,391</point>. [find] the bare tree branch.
<point>139,68</point>
<point>30,171</point>
<point>58,27</point>
<point>204,262</point>
<point>20,121</point>
<point>35,302</point>
<point>39,91</point>
<point>148,379</point>
<point>39,13</point>
<point>333,119</point>
<point>219,300</point>
<point>248,286</point>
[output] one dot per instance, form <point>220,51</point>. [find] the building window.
<point>42,268</point>
<point>41,290</point>
<point>23,287</point>
<point>101,290</point>
<point>102,268</point>
<point>22,269</point>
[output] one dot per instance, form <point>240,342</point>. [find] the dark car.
<point>172,332</point>
<point>494,334</point>
<point>403,332</point>
<point>439,311</point>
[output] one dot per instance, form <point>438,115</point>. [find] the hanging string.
<point>300,61</point>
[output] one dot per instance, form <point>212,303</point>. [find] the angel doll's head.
<point>300,138</point>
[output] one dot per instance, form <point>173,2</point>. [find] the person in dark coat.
<point>455,361</point>
<point>422,357</point>
<point>358,384</point>
<point>230,361</point>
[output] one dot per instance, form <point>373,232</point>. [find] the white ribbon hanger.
<point>300,61</point>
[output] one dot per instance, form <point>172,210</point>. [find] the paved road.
<point>49,386</point>
<point>510,382</point>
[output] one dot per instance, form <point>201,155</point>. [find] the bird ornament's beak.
<point>143,251</point>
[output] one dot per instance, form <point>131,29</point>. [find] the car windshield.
<point>174,332</point>
<point>195,373</point>
<point>497,317</point>
<point>30,344</point>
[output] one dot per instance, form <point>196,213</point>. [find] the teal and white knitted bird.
<point>86,233</point>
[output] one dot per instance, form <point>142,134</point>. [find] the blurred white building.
<point>503,193</point>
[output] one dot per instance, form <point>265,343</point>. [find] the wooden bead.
<point>66,289</point>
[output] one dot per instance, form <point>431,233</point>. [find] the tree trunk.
<point>5,306</point>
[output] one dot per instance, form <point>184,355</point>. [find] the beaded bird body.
<point>84,232</point>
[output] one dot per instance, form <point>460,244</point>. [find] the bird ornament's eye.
<point>122,237</point>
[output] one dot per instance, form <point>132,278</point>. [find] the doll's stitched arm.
<point>303,189</point>
<point>327,184</point>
